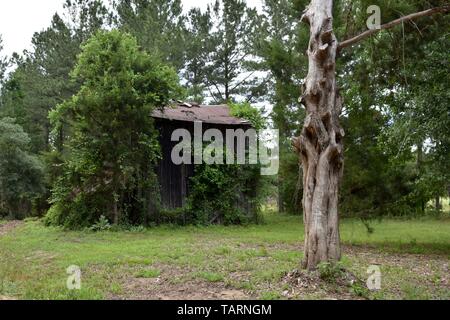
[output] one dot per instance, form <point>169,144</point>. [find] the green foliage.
<point>219,49</point>
<point>330,271</point>
<point>360,290</point>
<point>158,26</point>
<point>3,63</point>
<point>41,78</point>
<point>289,183</point>
<point>247,112</point>
<point>210,276</point>
<point>108,164</point>
<point>282,45</point>
<point>101,225</point>
<point>150,273</point>
<point>395,86</point>
<point>395,137</point>
<point>387,105</point>
<point>197,48</point>
<point>372,185</point>
<point>417,124</point>
<point>21,172</point>
<point>226,194</point>
<point>229,194</point>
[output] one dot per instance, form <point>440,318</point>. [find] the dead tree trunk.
<point>320,143</point>
<point>320,146</point>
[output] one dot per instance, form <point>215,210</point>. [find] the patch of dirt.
<point>303,283</point>
<point>429,271</point>
<point>175,283</point>
<point>7,227</point>
<point>160,289</point>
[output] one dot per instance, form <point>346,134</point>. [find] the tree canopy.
<point>395,88</point>
<point>21,171</point>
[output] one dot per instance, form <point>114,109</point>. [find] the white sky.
<point>20,19</point>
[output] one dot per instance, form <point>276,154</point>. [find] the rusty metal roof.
<point>216,114</point>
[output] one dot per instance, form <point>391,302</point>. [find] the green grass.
<point>255,258</point>
<point>152,273</point>
<point>410,236</point>
<point>210,276</point>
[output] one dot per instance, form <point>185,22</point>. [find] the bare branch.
<point>217,88</point>
<point>241,82</point>
<point>391,24</point>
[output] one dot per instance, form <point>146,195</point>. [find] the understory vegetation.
<point>230,194</point>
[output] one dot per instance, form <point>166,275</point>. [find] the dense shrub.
<point>21,172</point>
<point>111,149</point>
<point>228,194</point>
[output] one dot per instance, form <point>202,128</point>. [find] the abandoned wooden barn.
<point>175,179</point>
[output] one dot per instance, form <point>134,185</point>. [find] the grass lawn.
<point>221,262</point>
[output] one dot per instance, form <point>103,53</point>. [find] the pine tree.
<point>41,79</point>
<point>158,26</point>
<point>3,62</point>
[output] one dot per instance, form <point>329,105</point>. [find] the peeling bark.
<point>320,144</point>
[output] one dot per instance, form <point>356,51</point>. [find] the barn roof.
<point>216,114</point>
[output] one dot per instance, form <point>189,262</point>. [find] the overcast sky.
<point>19,19</point>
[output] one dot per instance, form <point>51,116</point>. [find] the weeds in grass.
<point>330,272</point>
<point>148,273</point>
<point>414,292</point>
<point>271,295</point>
<point>8,288</point>
<point>358,289</point>
<point>209,276</point>
<point>116,289</point>
<point>222,251</point>
<point>101,225</point>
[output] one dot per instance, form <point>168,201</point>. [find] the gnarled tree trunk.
<point>320,143</point>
